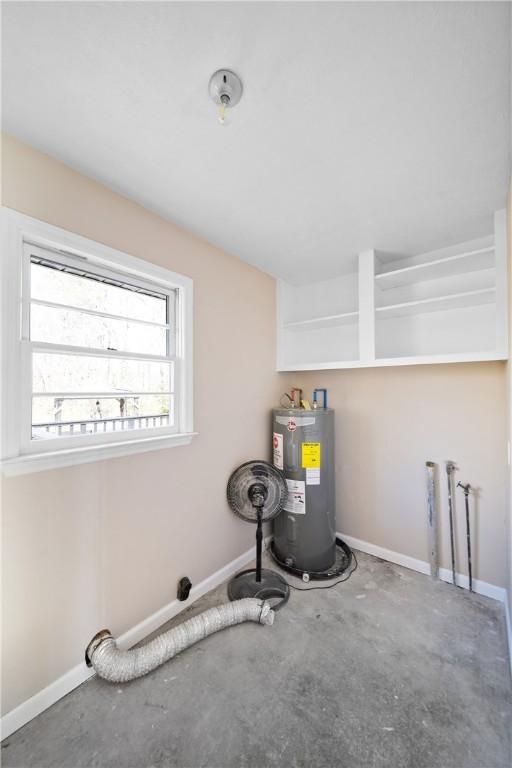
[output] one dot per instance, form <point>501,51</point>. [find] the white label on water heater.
<point>312,477</point>
<point>278,450</point>
<point>296,501</point>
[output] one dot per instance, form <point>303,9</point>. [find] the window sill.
<point>39,462</point>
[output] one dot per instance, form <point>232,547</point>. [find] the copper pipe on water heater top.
<point>296,402</point>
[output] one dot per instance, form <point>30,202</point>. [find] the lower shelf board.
<point>438,303</point>
<point>327,321</point>
<point>382,362</point>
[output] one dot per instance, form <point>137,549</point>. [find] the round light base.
<point>272,587</point>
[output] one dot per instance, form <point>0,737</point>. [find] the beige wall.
<point>509,404</point>
<point>389,421</point>
<point>104,544</point>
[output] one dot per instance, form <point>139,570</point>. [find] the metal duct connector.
<point>121,666</point>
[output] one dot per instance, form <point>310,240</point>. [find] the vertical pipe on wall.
<point>450,468</point>
<point>432,518</point>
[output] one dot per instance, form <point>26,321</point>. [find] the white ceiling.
<point>362,125</point>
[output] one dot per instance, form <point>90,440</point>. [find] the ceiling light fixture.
<point>226,91</point>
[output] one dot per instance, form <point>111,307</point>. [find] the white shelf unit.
<point>439,307</point>
<point>319,322</point>
<point>474,260</point>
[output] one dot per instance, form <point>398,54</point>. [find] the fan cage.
<point>248,474</point>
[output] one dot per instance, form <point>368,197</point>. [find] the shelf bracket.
<point>367,306</point>
<point>502,278</point>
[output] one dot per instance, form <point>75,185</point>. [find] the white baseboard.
<point>25,712</point>
<point>481,587</point>
<point>29,709</point>
<point>508,619</point>
<point>386,554</point>
<point>44,699</point>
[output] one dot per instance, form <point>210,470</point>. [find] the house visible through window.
<point>102,349</point>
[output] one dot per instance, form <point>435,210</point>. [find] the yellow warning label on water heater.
<point>310,455</point>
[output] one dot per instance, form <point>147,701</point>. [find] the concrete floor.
<point>388,669</point>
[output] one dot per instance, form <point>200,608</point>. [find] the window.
<point>101,351</point>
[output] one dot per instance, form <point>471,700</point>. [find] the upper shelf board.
<point>327,321</point>
<point>471,261</point>
<point>453,301</point>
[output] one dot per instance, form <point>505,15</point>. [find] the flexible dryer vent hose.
<point>121,666</point>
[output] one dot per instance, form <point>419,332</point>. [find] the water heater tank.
<point>303,448</point>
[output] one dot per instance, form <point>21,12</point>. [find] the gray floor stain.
<point>415,675</point>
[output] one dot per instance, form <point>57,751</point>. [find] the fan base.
<point>272,587</point>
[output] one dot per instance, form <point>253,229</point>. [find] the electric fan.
<point>257,493</point>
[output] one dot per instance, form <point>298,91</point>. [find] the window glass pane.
<point>61,373</point>
<point>49,284</point>
<point>65,326</point>
<point>65,416</point>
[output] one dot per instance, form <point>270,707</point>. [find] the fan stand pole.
<point>259,543</point>
<point>251,483</point>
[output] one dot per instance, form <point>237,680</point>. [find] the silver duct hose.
<point>120,666</point>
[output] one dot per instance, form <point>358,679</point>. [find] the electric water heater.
<point>303,448</point>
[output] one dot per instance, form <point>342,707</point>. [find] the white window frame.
<point>28,347</point>
<point>20,453</point>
